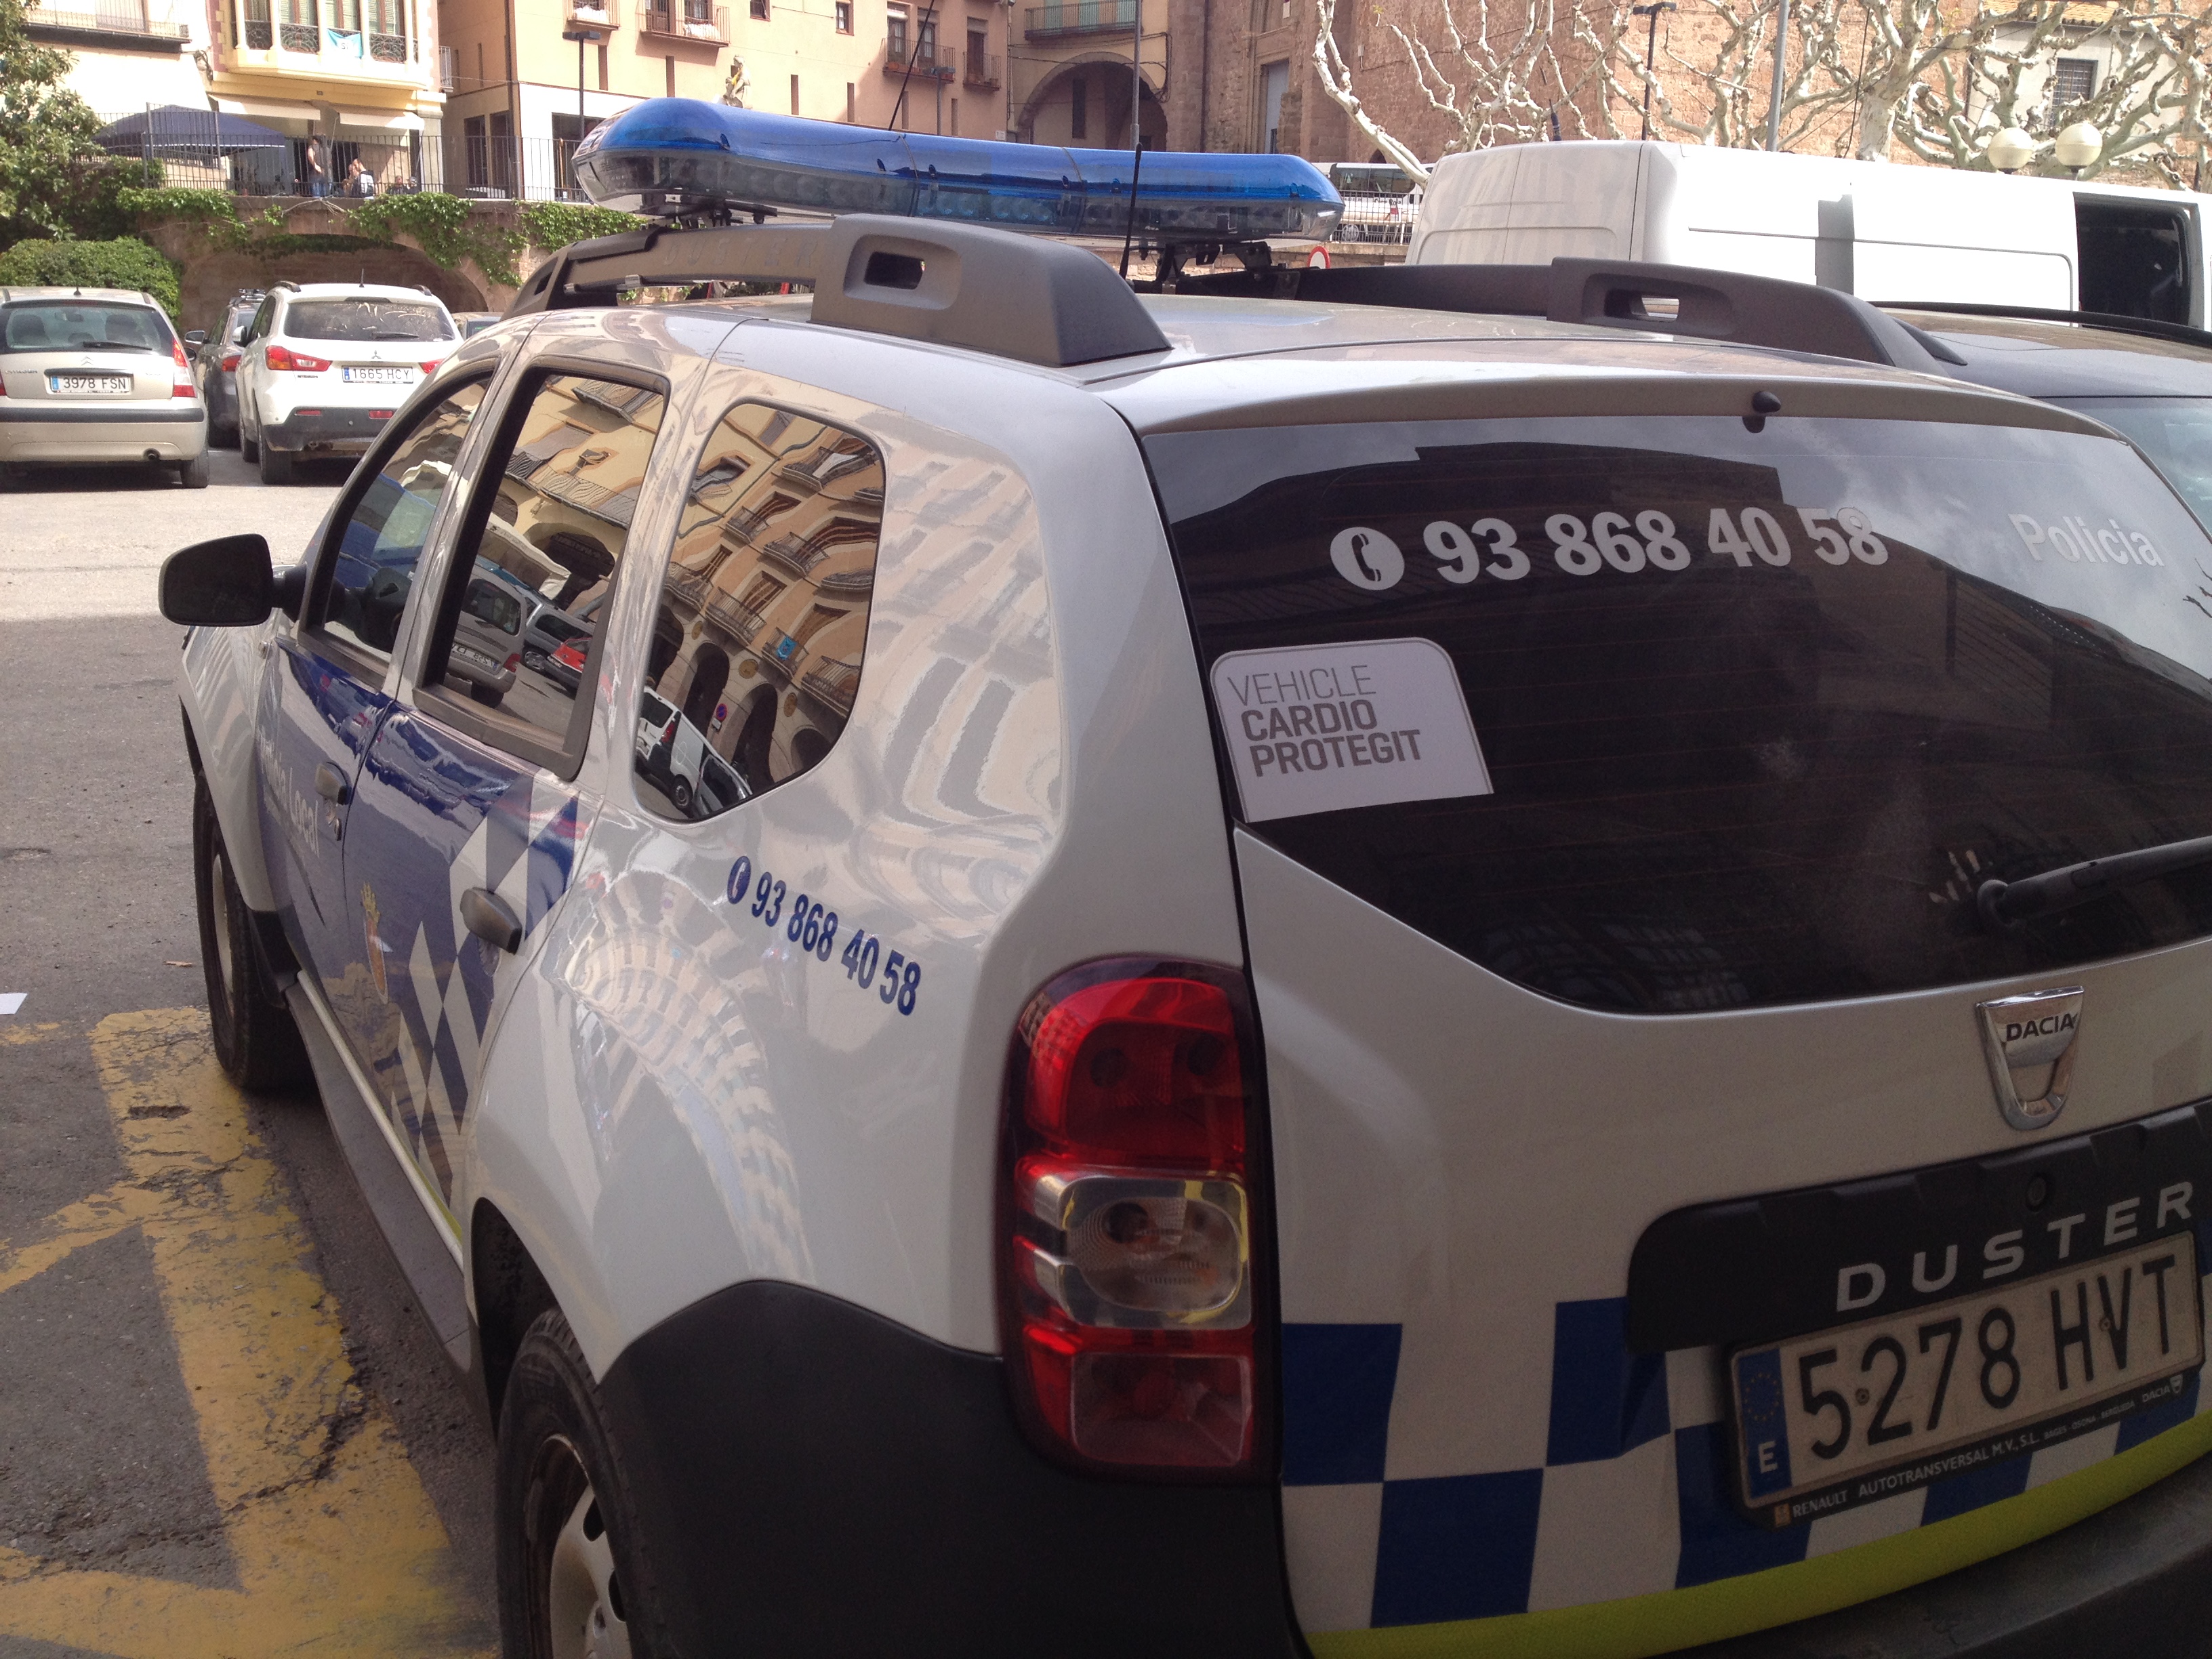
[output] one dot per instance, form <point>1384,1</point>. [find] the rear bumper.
<point>2135,1578</point>
<point>31,435</point>
<point>332,431</point>
<point>817,1481</point>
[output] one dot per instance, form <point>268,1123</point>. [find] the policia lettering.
<point>1324,727</point>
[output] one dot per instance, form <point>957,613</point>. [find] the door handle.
<point>487,916</point>
<point>331,784</point>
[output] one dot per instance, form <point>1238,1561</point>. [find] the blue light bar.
<point>680,156</point>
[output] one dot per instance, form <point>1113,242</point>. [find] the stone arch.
<point>808,746</point>
<point>710,674</point>
<point>1110,127</point>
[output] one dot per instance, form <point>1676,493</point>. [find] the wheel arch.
<point>509,1292</point>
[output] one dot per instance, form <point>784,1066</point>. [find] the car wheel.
<point>572,1584</point>
<point>276,465</point>
<point>193,474</point>
<point>249,443</point>
<point>534,660</point>
<point>256,1043</point>
<point>680,792</point>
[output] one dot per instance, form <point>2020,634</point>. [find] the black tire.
<point>223,436</point>
<point>256,1043</point>
<point>276,465</point>
<point>680,792</point>
<point>249,444</point>
<point>193,474</point>
<point>564,1522</point>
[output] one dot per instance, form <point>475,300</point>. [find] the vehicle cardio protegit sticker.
<point>1317,728</point>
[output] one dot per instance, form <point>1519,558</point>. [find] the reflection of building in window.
<point>571,485</point>
<point>764,610</point>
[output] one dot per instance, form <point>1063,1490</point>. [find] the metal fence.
<point>230,153</point>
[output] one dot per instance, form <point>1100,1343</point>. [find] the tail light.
<point>180,383</point>
<point>231,360</point>
<point>1125,1251</point>
<point>513,662</point>
<point>299,362</point>
<point>430,367</point>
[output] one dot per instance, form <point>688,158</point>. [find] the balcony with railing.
<point>261,41</point>
<point>834,683</point>
<point>982,69</point>
<point>119,21</point>
<point>779,653</point>
<point>724,611</point>
<point>850,584</point>
<point>603,15</point>
<point>900,54</point>
<point>1080,18</point>
<point>799,558</point>
<point>707,27</point>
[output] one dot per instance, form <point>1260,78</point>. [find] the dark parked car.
<point>216,367</point>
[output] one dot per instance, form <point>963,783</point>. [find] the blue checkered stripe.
<point>1632,1496</point>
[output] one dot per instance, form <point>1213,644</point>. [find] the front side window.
<point>756,646</point>
<point>1661,714</point>
<point>539,556</point>
<point>380,540</point>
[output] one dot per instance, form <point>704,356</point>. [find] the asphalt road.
<point>115,1466</point>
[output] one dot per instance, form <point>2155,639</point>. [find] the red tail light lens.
<point>180,383</point>
<point>513,662</point>
<point>1127,1256</point>
<point>298,362</point>
<point>430,368</point>
<point>231,360</point>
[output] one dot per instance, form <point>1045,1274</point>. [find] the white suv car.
<point>325,364</point>
<point>1360,978</point>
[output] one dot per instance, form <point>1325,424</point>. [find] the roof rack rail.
<point>1710,305</point>
<point>959,285</point>
<point>2148,327</point>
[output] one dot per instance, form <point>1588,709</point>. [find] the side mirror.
<point>194,339</point>
<point>224,583</point>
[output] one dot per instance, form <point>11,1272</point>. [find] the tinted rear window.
<point>82,325</point>
<point>1732,762</point>
<point>365,319</point>
<point>2176,432</point>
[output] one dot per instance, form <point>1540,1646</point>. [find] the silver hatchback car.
<point>96,375</point>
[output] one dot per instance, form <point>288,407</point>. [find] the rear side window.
<point>755,656</point>
<point>80,325</point>
<point>365,319</point>
<point>1661,715</point>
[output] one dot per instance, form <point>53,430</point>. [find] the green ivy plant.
<point>444,227</point>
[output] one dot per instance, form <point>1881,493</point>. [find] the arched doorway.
<point>710,673</point>
<point>1085,105</point>
<point>808,746</point>
<point>755,736</point>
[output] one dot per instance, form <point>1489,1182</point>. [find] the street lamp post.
<point>583,37</point>
<point>1651,52</point>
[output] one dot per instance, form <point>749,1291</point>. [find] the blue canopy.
<point>172,129</point>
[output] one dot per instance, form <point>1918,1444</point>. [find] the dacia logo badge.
<point>2030,1041</point>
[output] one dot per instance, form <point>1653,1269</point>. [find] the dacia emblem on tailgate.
<point>2030,1043</point>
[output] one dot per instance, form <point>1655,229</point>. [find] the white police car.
<point>1362,978</point>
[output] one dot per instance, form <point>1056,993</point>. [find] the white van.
<point>1884,232</point>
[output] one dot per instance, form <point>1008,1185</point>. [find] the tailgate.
<point>1615,794</point>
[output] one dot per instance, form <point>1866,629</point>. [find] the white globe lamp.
<point>2079,146</point>
<point>2011,150</point>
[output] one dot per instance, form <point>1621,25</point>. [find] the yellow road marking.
<point>337,1550</point>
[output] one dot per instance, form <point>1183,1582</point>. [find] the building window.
<point>895,33</point>
<point>1275,82</point>
<point>2073,80</point>
<point>1078,108</point>
<point>603,66</point>
<point>851,103</point>
<point>672,77</point>
<point>760,11</point>
<point>955,127</point>
<point>794,95</point>
<point>927,36</point>
<point>844,10</point>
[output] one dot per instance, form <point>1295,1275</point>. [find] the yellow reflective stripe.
<point>1642,1624</point>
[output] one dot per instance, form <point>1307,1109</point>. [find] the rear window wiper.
<point>2007,903</point>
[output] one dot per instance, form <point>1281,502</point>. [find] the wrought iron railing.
<point>390,48</point>
<point>833,682</point>
<point>118,18</point>
<point>982,70</point>
<point>300,37</point>
<point>779,652</point>
<point>686,23</point>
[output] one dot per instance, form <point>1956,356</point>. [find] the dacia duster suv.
<point>1431,968</point>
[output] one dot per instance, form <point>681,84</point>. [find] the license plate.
<point>477,657</point>
<point>105,386</point>
<point>380,376</point>
<point>1862,1412</point>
